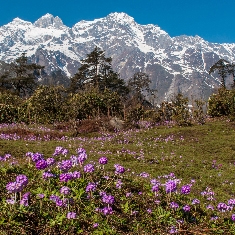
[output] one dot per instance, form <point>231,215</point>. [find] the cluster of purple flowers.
<point>5,157</point>
<point>82,156</point>
<point>119,184</point>
<point>106,210</point>
<point>50,161</point>
<point>103,160</point>
<point>223,207</point>
<point>89,168</point>
<point>209,194</point>
<point>174,205</point>
<point>61,202</point>
<point>171,186</point>
<point>65,165</point>
<point>144,174</point>
<point>25,199</point>
<point>186,208</point>
<point>47,175</point>
<point>18,185</point>
<point>119,169</point>
<point>108,199</point>
<point>65,177</point>
<point>41,164</point>
<point>185,189</point>
<point>65,190</point>
<point>71,215</point>
<point>60,150</point>
<point>91,187</point>
<point>195,201</point>
<point>35,156</point>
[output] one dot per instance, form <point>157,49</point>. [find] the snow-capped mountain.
<point>175,64</point>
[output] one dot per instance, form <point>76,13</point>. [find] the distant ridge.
<point>175,64</point>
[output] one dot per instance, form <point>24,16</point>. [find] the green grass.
<point>199,146</point>
<point>205,153</point>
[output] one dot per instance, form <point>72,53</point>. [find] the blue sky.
<point>213,20</point>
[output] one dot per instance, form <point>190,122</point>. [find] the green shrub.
<point>181,114</point>
<point>9,107</point>
<point>222,103</point>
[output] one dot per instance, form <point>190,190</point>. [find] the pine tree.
<point>96,71</point>
<point>224,68</point>
<point>21,76</point>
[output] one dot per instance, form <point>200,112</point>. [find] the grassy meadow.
<point>146,183</point>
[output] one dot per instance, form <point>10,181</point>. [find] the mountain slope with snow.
<point>175,64</point>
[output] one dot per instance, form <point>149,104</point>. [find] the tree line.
<point>96,91</point>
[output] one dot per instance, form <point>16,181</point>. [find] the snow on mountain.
<point>173,63</point>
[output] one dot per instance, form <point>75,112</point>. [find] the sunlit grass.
<point>204,153</point>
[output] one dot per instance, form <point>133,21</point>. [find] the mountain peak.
<point>49,20</point>
<point>120,17</point>
<point>18,21</point>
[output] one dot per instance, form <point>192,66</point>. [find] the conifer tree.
<point>96,71</point>
<point>21,76</point>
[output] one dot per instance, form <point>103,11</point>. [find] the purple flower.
<point>54,198</point>
<point>29,154</point>
<point>74,160</point>
<point>155,188</point>
<point>26,195</point>
<point>185,189</point>
<point>231,202</point>
<point>186,208</point>
<point>95,225</point>
<point>170,186</point>
<point>65,177</point>
<point>81,151</point>
<point>36,157</point>
<point>108,199</point>
<point>24,202</point>
<point>41,195</point>
<point>59,202</point>
<point>46,175</point>
<point>107,210</point>
<point>64,151</point>
<point>71,215</point>
<point>91,187</point>
<point>65,165</point>
<point>82,156</point>
<point>154,182</point>
<point>233,217</point>
<point>213,218</point>
<point>195,201</point>
<point>89,168</point>
<point>41,164</point>
<point>174,205</point>
<point>76,174</point>
<point>119,169</point>
<point>103,160</point>
<point>149,211</point>
<point>50,161</point>
<point>11,201</point>
<point>22,179</point>
<point>210,207</point>
<point>119,184</point>
<point>144,174</point>
<point>58,151</point>
<point>14,187</point>
<point>65,190</point>
<point>222,207</point>
<point>173,230</point>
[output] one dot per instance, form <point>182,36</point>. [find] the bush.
<point>9,107</point>
<point>222,103</point>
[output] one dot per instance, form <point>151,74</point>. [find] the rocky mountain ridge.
<point>174,64</point>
